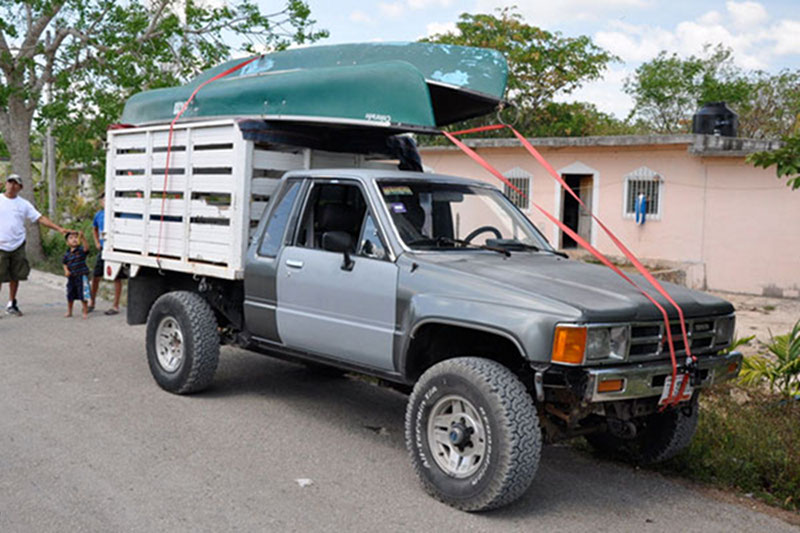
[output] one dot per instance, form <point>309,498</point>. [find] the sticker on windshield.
<point>397,190</point>
<point>399,207</point>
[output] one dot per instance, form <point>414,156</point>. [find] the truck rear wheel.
<point>659,437</point>
<point>182,342</point>
<point>473,434</point>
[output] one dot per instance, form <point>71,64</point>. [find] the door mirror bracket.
<point>339,241</point>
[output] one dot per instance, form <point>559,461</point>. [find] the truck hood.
<point>596,292</point>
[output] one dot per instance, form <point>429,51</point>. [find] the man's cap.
<point>15,178</point>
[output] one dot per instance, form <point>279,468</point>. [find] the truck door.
<point>260,302</point>
<point>344,309</point>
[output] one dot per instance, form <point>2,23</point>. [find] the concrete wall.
<point>736,227</point>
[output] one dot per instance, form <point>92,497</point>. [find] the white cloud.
<point>435,28</point>
<point>547,13</point>
<point>607,93</point>
<point>425,4</point>
<point>359,16</point>
<point>746,14</point>
<point>744,27</point>
<point>392,9</point>
<point>787,37</point>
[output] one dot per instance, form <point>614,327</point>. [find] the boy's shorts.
<point>78,289</point>
<point>14,265</point>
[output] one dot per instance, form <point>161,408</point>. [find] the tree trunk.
<point>15,126</point>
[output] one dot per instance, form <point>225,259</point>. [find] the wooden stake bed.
<point>218,187</point>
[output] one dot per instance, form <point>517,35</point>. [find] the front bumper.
<point>647,379</point>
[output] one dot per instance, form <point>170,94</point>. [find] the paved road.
<point>88,442</point>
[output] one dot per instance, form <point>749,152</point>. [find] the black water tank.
<point>716,118</point>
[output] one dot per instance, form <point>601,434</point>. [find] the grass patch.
<point>747,440</point>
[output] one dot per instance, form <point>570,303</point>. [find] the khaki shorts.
<point>14,265</point>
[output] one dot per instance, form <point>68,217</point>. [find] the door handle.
<point>293,263</point>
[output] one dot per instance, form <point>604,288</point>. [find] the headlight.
<point>607,342</point>
<point>724,330</point>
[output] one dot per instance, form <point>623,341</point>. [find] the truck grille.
<point>649,339</point>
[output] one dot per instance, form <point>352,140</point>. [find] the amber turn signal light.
<point>569,345</point>
<point>611,385</point>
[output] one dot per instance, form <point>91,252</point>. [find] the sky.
<point>763,35</point>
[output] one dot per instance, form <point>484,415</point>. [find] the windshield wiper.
<point>465,244</point>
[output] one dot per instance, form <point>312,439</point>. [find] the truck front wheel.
<point>659,437</point>
<point>182,342</point>
<point>473,434</point>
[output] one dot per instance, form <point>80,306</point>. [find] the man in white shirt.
<point>14,211</point>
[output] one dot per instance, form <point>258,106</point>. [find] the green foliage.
<point>780,367</point>
<point>745,440</point>
<point>97,53</point>
<point>575,119</point>
<point>786,160</point>
<point>668,90</point>
<point>737,342</point>
<point>541,65</point>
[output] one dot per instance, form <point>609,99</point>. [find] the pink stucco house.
<point>725,224</point>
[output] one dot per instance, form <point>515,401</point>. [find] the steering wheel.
<point>483,229</point>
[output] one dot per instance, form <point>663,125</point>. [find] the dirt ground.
<point>760,315</point>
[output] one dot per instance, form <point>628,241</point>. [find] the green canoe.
<point>400,86</point>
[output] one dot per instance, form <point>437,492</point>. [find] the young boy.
<point>77,272</point>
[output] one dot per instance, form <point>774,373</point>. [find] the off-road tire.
<point>660,437</point>
<point>514,438</point>
<point>198,326</point>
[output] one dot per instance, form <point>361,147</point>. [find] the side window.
<point>332,208</point>
<point>276,226</point>
<point>370,244</point>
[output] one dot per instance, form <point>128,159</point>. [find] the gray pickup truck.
<point>441,287</point>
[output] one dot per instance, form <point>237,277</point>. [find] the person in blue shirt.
<point>98,227</point>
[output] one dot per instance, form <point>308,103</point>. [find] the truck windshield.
<point>435,215</point>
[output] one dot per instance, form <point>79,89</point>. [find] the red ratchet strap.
<point>169,143</point>
<point>672,398</point>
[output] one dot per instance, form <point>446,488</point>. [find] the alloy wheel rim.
<point>456,436</point>
<point>169,344</point>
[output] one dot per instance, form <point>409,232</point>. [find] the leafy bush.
<point>781,369</point>
<point>747,440</point>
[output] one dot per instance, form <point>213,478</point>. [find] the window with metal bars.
<point>647,182</point>
<point>522,181</point>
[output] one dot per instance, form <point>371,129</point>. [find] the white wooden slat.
<point>220,134</point>
<point>212,158</point>
<point>175,183</point>
<point>272,160</point>
<point>161,137</point>
<point>172,207</point>
<point>172,247</point>
<point>128,243</point>
<point>176,159</point>
<point>206,251</point>
<point>211,233</point>
<point>130,161</point>
<point>124,140</point>
<point>213,183</point>
<point>173,265</point>
<point>129,226</point>
<point>128,205</point>
<point>200,208</point>
<point>129,183</point>
<point>264,186</point>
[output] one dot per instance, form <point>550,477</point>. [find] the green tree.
<point>95,53</point>
<point>668,90</point>
<point>786,160</point>
<point>541,64</point>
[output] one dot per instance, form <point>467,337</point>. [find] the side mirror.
<point>339,241</point>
